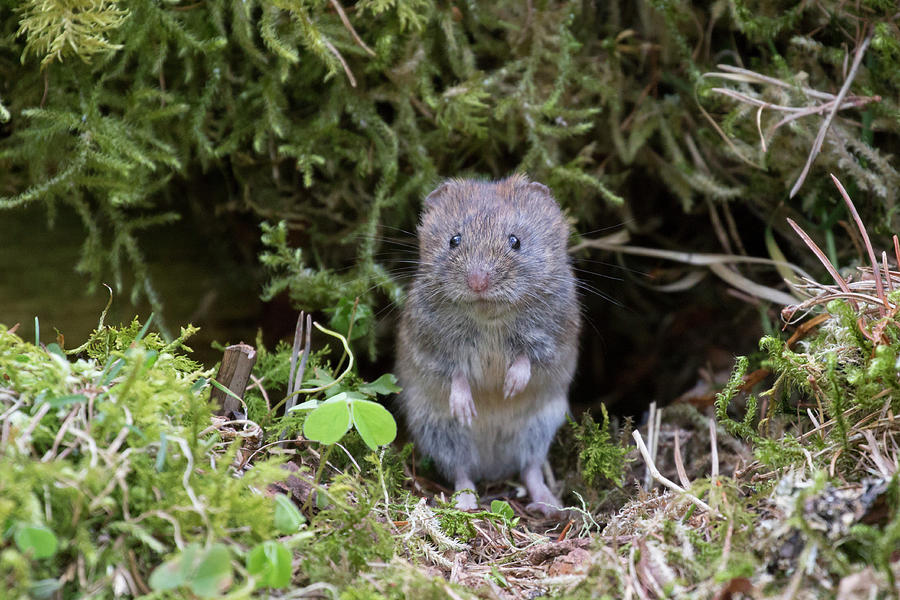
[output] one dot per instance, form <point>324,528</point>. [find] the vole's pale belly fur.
<point>507,433</point>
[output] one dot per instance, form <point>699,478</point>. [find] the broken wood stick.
<point>234,372</point>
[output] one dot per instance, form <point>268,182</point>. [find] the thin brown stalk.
<point>349,27</point>
<point>343,62</point>
<point>823,259</point>
<point>838,100</point>
<point>887,271</point>
<point>879,287</point>
<point>897,250</point>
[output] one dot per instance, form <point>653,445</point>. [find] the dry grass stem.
<point>657,476</point>
<point>817,144</point>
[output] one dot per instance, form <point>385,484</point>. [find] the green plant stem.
<point>349,331</point>
<point>323,460</point>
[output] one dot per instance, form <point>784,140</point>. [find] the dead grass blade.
<point>838,100</point>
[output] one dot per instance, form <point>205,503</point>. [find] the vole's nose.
<point>478,280</point>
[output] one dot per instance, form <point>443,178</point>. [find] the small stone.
<point>576,561</point>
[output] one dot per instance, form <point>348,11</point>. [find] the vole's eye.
<point>514,242</point>
<point>455,240</point>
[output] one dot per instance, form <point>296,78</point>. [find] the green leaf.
<point>386,384</point>
<point>502,508</point>
<point>212,576</point>
<point>53,348</point>
<point>363,317</point>
<point>173,573</point>
<point>329,422</point>
<point>288,517</point>
<point>271,562</point>
<point>37,540</point>
<point>207,572</point>
<point>199,385</point>
<point>374,423</point>
<point>309,404</point>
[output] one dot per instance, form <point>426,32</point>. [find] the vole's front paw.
<point>462,407</point>
<point>517,377</point>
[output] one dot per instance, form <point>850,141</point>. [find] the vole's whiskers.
<point>586,287</point>
<point>611,265</point>
<point>596,274</point>
<point>607,228</point>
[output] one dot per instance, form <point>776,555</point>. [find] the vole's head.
<point>492,245</point>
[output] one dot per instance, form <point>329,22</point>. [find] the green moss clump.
<point>116,458</point>
<point>600,457</point>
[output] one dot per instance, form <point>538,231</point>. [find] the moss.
<point>600,457</point>
<point>130,472</point>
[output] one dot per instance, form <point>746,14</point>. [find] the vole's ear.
<point>439,193</point>
<point>539,188</point>
<point>520,181</point>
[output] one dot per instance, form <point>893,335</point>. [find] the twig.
<point>854,102</point>
<point>296,375</point>
<point>887,271</point>
<point>897,250</point>
<point>679,464</point>
<point>838,100</point>
<point>714,458</point>
<point>667,482</point>
<point>343,62</point>
<point>651,435</point>
<point>340,11</point>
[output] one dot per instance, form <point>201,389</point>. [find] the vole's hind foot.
<point>542,499</point>
<point>466,501</point>
<point>545,510</point>
<point>465,498</point>
<point>517,377</point>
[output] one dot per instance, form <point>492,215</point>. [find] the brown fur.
<point>506,353</point>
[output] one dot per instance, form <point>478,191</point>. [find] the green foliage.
<point>321,287</point>
<point>279,109</point>
<point>600,457</point>
<point>60,28</point>
<point>288,519</point>
<point>271,562</point>
<point>141,399</point>
<point>503,510</point>
<point>206,572</point>
<point>352,537</point>
<point>329,421</point>
<point>839,370</point>
<point>335,405</point>
<point>130,467</point>
<point>35,541</point>
<point>724,398</point>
